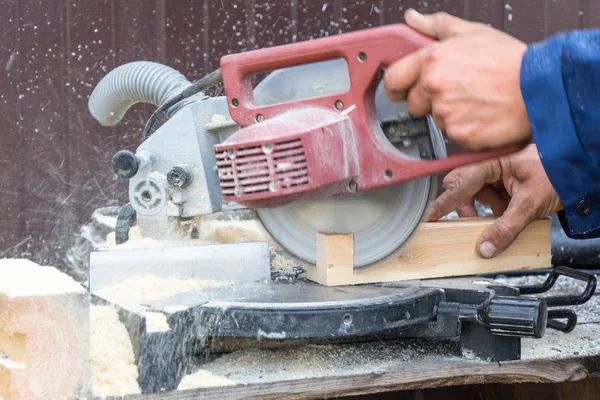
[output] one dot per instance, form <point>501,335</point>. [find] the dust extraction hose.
<point>136,82</point>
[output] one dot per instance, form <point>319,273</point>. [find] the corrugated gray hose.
<point>129,84</point>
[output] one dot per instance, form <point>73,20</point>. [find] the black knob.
<point>125,164</point>
<point>515,316</point>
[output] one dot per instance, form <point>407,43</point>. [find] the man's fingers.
<point>439,25</point>
<point>467,209</point>
<point>418,101</point>
<point>489,196</point>
<point>402,75</point>
<point>461,185</point>
<point>520,213</point>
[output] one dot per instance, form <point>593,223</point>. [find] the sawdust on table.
<point>156,322</point>
<point>112,363</point>
<point>232,231</point>
<point>317,361</point>
<point>209,232</point>
<point>218,119</point>
<point>202,379</point>
<point>149,287</point>
<point>282,263</point>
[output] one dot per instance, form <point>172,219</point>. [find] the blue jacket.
<point>560,82</point>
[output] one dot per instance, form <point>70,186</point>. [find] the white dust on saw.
<point>131,292</point>
<point>112,363</point>
<point>210,231</point>
<point>218,119</point>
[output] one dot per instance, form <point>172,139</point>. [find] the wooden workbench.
<point>361,368</point>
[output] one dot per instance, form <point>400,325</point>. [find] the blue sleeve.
<point>560,82</point>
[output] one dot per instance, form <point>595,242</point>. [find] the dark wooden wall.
<point>55,159</point>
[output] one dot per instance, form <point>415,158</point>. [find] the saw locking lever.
<point>529,316</point>
<point>325,146</point>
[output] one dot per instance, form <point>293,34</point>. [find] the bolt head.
<point>267,148</point>
<point>179,177</point>
<point>274,186</point>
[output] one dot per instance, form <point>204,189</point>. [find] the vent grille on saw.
<point>262,168</point>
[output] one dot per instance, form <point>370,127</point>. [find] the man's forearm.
<point>560,82</point>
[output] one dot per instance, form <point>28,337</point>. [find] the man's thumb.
<point>504,231</point>
<point>439,25</point>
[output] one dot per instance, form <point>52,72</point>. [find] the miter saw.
<point>316,146</point>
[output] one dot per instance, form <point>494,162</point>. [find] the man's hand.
<point>515,187</point>
<point>469,81</point>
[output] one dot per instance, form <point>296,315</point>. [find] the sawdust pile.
<point>209,232</point>
<point>22,277</point>
<point>150,287</point>
<point>136,241</point>
<point>202,379</point>
<point>156,322</point>
<point>112,364</point>
<point>282,263</point>
<point>232,231</point>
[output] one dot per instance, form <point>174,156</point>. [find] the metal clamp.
<point>557,301</point>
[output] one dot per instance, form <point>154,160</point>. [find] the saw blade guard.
<point>381,220</point>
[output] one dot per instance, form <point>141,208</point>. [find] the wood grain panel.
<point>42,124</point>
<point>361,14</point>
<point>12,188</point>
<point>526,20</point>
<point>90,53</point>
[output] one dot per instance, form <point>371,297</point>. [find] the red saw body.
<point>325,146</point>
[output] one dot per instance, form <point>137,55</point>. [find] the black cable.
<point>201,84</point>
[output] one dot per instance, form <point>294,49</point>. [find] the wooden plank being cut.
<point>438,249</point>
<point>44,335</point>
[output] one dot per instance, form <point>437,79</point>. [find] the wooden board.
<point>44,333</point>
<point>438,249</point>
<point>417,377</point>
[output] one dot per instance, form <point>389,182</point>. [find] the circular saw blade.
<point>381,220</point>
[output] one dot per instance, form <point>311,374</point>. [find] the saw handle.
<point>366,53</point>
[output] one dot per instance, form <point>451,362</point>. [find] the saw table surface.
<point>318,371</point>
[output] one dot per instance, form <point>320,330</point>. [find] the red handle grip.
<point>365,53</point>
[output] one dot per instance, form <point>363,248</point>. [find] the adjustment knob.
<point>125,164</point>
<point>516,316</point>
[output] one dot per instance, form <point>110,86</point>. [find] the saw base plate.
<point>204,324</point>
